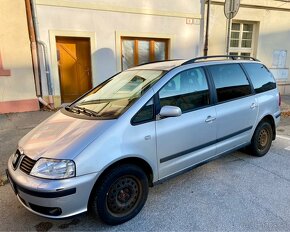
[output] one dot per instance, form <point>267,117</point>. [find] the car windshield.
<point>111,98</point>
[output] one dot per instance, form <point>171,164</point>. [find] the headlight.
<point>53,169</point>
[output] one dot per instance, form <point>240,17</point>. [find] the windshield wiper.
<point>86,111</point>
<point>81,110</point>
<point>72,109</point>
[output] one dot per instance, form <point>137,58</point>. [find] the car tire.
<point>120,195</point>
<point>261,140</point>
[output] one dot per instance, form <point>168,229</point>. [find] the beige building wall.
<point>106,21</point>
<point>17,91</point>
<point>272,32</point>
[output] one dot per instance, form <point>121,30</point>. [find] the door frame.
<point>54,65</point>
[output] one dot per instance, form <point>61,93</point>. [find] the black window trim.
<point>214,88</point>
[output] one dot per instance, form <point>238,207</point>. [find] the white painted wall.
<point>273,31</point>
<point>107,24</point>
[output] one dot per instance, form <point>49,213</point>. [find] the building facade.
<point>91,40</point>
<point>260,29</point>
<point>84,42</point>
<point>17,88</point>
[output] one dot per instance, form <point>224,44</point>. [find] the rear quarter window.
<point>262,79</point>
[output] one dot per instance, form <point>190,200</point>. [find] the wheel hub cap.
<point>123,195</point>
<point>263,138</point>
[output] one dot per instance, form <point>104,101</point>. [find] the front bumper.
<point>51,198</point>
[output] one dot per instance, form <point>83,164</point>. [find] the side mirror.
<point>170,111</point>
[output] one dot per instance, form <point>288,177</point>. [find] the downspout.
<point>205,50</point>
<point>41,44</point>
<point>34,53</point>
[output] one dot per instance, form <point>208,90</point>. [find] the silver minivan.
<point>140,127</point>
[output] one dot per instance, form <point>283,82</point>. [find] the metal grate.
<point>27,164</point>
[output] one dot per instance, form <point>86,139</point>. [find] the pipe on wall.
<point>42,47</point>
<point>34,53</point>
<point>205,50</point>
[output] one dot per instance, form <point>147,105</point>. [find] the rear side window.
<point>230,81</point>
<point>261,77</point>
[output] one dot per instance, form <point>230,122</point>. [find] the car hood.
<point>62,137</point>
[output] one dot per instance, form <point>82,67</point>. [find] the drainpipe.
<point>34,53</point>
<point>205,50</point>
<point>43,47</point>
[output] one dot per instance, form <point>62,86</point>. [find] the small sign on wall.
<point>279,58</point>
<point>279,69</point>
<point>192,21</point>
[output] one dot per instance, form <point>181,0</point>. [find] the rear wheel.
<point>262,139</point>
<point>121,194</point>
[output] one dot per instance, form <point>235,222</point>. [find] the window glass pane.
<point>188,90</point>
<point>245,54</point>
<point>127,54</point>
<point>230,81</point>
<point>248,27</point>
<point>235,35</point>
<point>235,26</point>
<point>159,49</point>
<point>143,52</point>
<point>145,114</point>
<point>246,43</point>
<point>247,35</point>
<point>234,53</point>
<point>234,43</point>
<point>261,78</point>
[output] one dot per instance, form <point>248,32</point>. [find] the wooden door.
<point>74,66</point>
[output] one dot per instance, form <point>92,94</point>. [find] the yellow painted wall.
<point>15,51</point>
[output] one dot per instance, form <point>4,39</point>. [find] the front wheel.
<point>262,139</point>
<point>121,194</point>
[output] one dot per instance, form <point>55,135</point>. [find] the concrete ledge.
<point>19,106</point>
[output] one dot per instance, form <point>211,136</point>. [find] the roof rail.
<point>158,61</point>
<point>233,57</point>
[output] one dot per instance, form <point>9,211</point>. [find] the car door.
<point>190,138</point>
<point>236,108</point>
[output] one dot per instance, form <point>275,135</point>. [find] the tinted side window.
<point>230,81</point>
<point>146,114</point>
<point>261,77</point>
<point>188,90</point>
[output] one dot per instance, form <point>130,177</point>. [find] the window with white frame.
<point>242,39</point>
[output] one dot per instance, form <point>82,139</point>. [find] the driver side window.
<point>188,90</point>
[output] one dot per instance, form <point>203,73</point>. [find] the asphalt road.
<point>234,193</point>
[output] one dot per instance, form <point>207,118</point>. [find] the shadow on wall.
<point>268,42</point>
<point>269,50</point>
<point>104,64</point>
<point>18,85</point>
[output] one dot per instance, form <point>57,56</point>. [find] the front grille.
<point>16,158</point>
<point>27,164</point>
